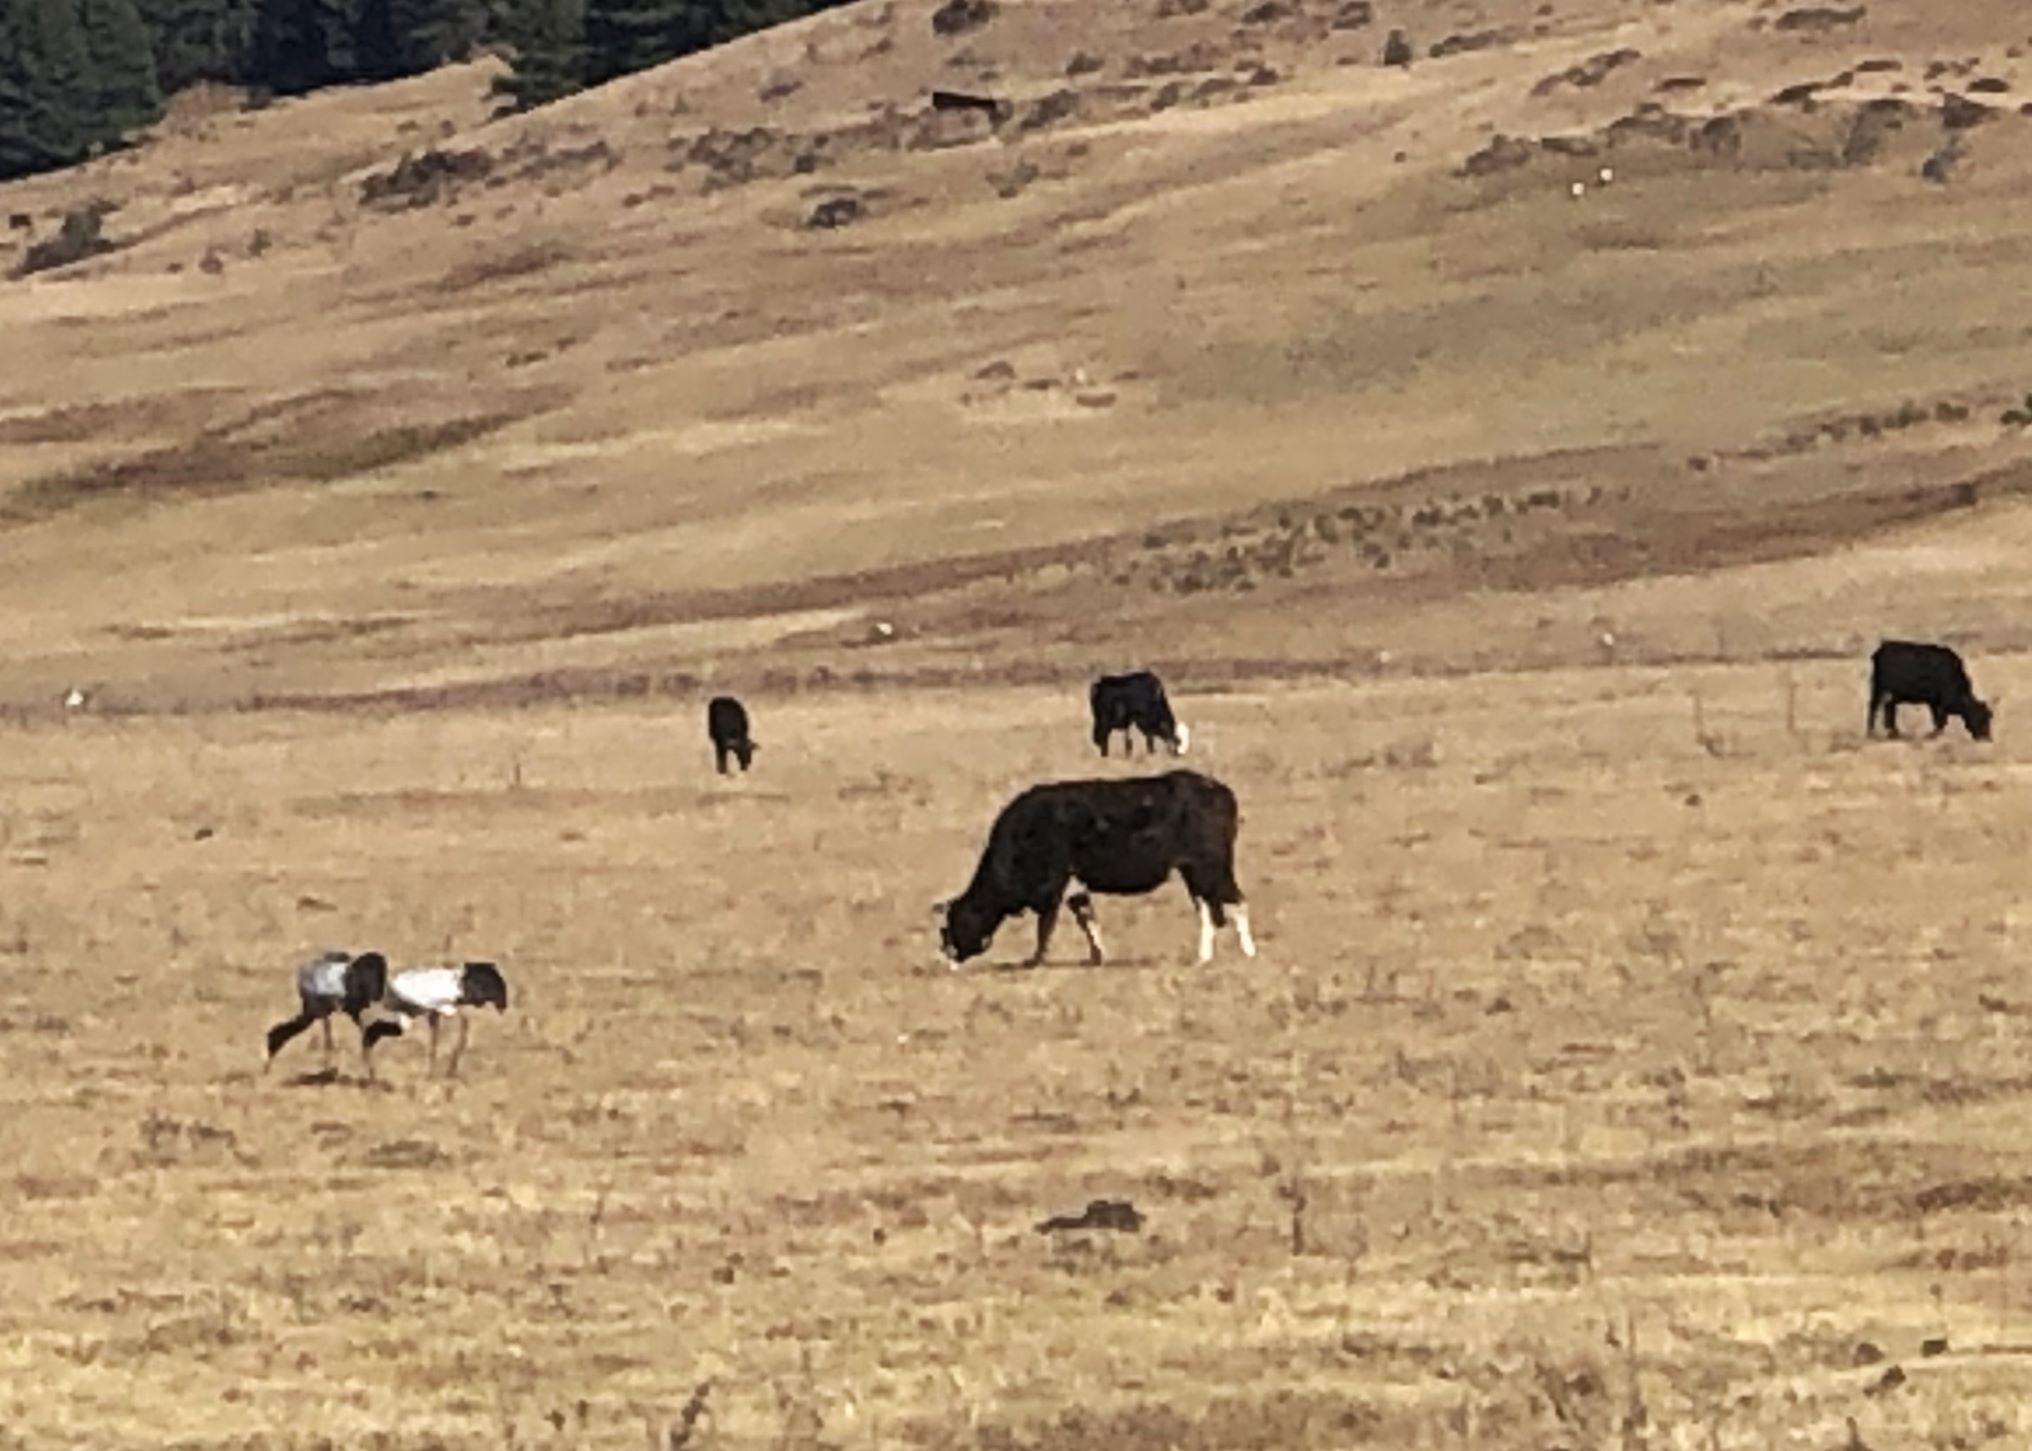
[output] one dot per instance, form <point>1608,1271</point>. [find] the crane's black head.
<point>483,984</point>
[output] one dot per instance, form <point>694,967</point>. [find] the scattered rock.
<point>1820,17</point>
<point>1266,11</point>
<point>956,17</point>
<point>1397,49</point>
<point>1933,1345</point>
<point>1873,125</point>
<point>1117,1214</point>
<point>1718,136</point>
<point>987,106</point>
<point>1353,15</point>
<point>78,238</point>
<point>1503,153</point>
<point>1590,72</point>
<point>422,179</point>
<point>1198,56</point>
<point>1470,41</point>
<point>838,211</point>
<point>1051,109</point>
<point>1011,183</point>
<point>1959,113</point>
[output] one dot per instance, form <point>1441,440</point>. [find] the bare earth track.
<point>1637,1056</point>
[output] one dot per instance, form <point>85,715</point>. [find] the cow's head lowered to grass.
<point>964,929</point>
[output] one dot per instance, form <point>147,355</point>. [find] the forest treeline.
<point>80,76</point>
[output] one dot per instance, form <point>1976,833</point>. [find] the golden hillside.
<point>1508,459</point>
<point>593,401</point>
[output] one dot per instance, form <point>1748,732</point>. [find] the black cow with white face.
<point>1136,700</point>
<point>1906,672</point>
<point>727,725</point>
<point>1117,837</point>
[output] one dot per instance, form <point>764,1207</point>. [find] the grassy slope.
<point>1624,1059</point>
<point>682,397</point>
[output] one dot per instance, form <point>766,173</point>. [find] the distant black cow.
<point>1119,837</point>
<point>1135,700</point>
<point>1905,672</point>
<point>727,724</point>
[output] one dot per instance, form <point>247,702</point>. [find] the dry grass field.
<point>1637,1055</point>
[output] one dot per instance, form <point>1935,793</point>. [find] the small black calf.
<point>727,725</point>
<point>1134,701</point>
<point>1906,672</point>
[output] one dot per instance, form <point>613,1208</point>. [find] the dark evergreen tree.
<point>121,58</point>
<point>300,45</point>
<point>425,34</point>
<point>45,87</point>
<point>200,40</point>
<point>624,36</point>
<point>548,39</point>
<point>732,19</point>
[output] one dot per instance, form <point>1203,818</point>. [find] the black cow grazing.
<point>1119,837</point>
<point>727,724</point>
<point>1907,672</point>
<point>1135,700</point>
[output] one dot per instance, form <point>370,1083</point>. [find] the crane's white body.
<point>426,991</point>
<point>434,994</point>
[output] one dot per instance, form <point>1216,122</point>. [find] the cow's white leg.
<point>1242,929</point>
<point>1206,930</point>
<point>1083,913</point>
